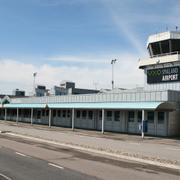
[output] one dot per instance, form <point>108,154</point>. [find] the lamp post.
<point>34,78</point>
<point>113,61</point>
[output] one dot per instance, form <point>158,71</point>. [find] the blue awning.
<point>108,105</point>
<point>25,106</point>
<point>103,105</point>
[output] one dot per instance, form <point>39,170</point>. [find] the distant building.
<point>58,91</point>
<point>18,93</point>
<point>68,88</point>
<point>41,90</point>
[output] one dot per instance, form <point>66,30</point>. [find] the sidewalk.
<point>161,150</point>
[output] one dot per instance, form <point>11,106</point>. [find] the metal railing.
<point>109,97</point>
<point>165,54</point>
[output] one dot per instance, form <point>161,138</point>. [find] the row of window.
<point>89,114</point>
<point>61,113</point>
<point>84,114</point>
<point>150,116</point>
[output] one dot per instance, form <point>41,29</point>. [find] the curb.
<point>101,152</point>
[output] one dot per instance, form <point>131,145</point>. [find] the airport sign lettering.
<point>163,75</point>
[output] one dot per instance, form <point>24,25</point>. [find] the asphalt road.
<point>153,148</point>
<point>25,159</point>
<point>17,166</point>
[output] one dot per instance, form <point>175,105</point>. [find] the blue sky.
<point>76,39</point>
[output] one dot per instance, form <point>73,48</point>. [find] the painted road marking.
<point>5,177</point>
<point>54,165</point>
<point>174,149</point>
<point>21,154</point>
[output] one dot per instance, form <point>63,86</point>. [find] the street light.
<point>113,61</point>
<point>34,76</point>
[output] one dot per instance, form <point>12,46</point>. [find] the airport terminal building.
<point>118,111</point>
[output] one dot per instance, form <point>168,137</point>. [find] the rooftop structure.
<point>68,88</point>
<point>18,93</point>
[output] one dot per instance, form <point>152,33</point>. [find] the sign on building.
<point>163,75</point>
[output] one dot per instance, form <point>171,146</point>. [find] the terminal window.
<point>84,114</point>
<point>117,116</point>
<point>54,113</point>
<point>47,112</point>
<point>150,117</point>
<point>59,113</point>
<point>90,114</point>
<point>78,114</point>
<point>109,115</point>
<point>161,117</point>
<point>43,112</point>
<point>68,113</point>
<point>100,114</point>
<point>131,116</point>
<point>64,113</point>
<point>139,116</point>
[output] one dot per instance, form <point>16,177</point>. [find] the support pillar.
<point>17,118</point>
<point>49,117</point>
<point>73,119</point>
<point>5,114</point>
<point>102,121</point>
<point>31,116</point>
<point>143,118</point>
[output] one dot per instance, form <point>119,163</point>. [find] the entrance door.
<point>161,124</point>
<point>151,123</point>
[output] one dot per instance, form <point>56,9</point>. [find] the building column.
<point>102,121</point>
<point>5,114</point>
<point>49,117</point>
<point>17,117</point>
<point>143,118</point>
<point>31,116</point>
<point>73,119</point>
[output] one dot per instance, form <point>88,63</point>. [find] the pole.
<point>143,118</point>
<point>113,62</point>
<point>34,75</point>
<point>73,119</point>
<point>31,116</point>
<point>102,121</point>
<point>112,76</point>
<point>17,118</point>
<point>5,118</point>
<point>49,117</point>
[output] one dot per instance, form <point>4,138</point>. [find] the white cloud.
<point>16,74</point>
<point>78,59</point>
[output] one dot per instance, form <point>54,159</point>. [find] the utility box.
<point>143,127</point>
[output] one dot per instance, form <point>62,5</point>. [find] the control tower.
<point>162,68</point>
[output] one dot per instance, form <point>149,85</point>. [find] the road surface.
<point>24,159</point>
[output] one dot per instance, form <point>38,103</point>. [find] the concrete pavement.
<point>158,150</point>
